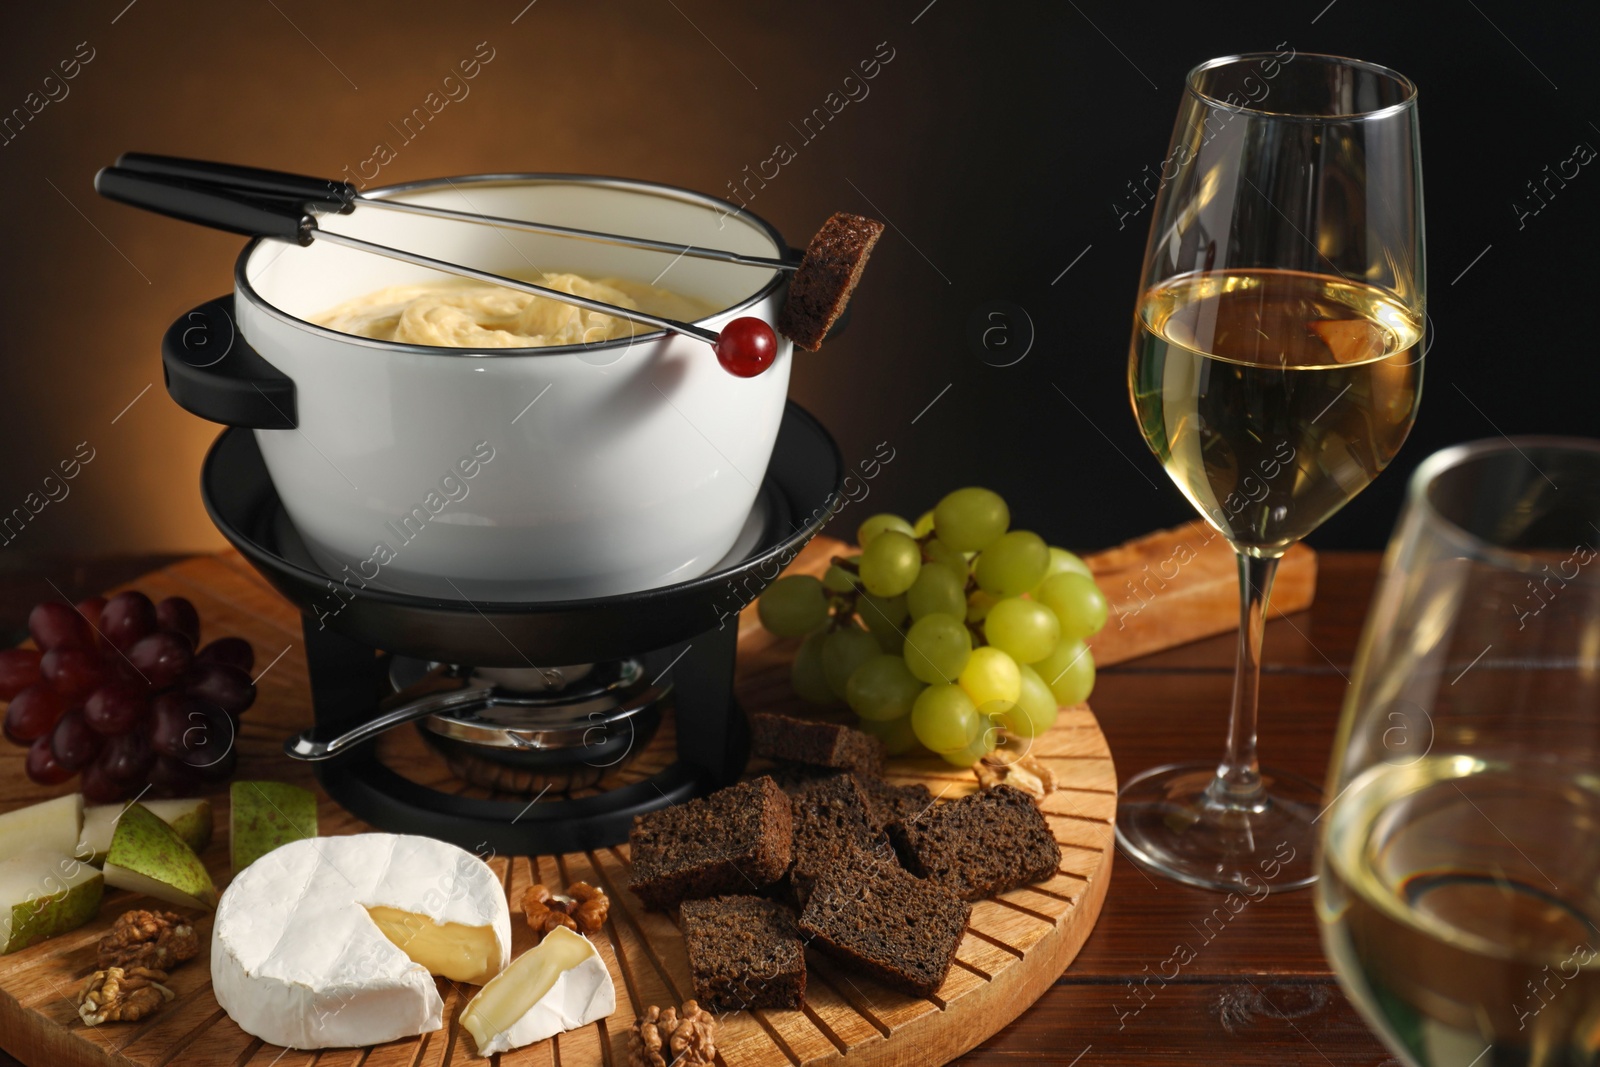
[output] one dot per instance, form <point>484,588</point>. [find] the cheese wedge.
<point>334,941</point>
<point>51,826</point>
<point>557,985</point>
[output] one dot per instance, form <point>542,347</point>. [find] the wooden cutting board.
<point>1016,946</point>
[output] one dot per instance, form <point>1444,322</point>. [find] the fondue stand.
<point>481,681</point>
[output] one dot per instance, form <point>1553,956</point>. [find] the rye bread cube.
<point>737,840</point>
<point>832,826</point>
<point>744,952</point>
<point>828,274</point>
<point>820,744</point>
<point>982,844</point>
<point>884,921</point>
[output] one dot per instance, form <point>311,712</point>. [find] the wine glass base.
<point>1172,821</point>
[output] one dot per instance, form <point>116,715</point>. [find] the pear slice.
<point>557,985</point>
<point>43,894</point>
<point>190,816</point>
<point>265,815</point>
<point>148,856</point>
<point>50,826</point>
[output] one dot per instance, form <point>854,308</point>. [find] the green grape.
<point>1013,564</point>
<point>793,606</point>
<point>842,653</point>
<point>1069,672</point>
<point>991,678</point>
<point>945,719</point>
<point>839,580</point>
<point>939,552</point>
<point>1024,629</point>
<point>806,674</point>
<point>1077,602</point>
<point>969,520</point>
<point>979,604</point>
<point>924,524</point>
<point>1035,710</point>
<point>937,590</point>
<point>937,648</point>
<point>1064,562</point>
<point>980,747</point>
<point>890,564</point>
<point>882,688</point>
<point>896,734</point>
<point>885,619</point>
<point>875,525</point>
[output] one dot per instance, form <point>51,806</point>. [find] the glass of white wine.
<point>1459,889</point>
<point>1275,370</point>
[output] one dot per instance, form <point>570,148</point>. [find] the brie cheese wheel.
<point>334,941</point>
<point>557,985</point>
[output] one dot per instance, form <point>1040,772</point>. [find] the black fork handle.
<point>208,205</point>
<point>259,180</point>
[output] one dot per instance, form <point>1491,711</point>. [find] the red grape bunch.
<point>122,692</point>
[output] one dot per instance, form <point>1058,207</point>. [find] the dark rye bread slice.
<point>744,952</point>
<point>832,827</point>
<point>828,274</point>
<point>736,840</point>
<point>821,744</point>
<point>880,919</point>
<point>980,845</point>
<point>889,803</point>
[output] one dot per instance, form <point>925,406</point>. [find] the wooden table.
<point>1258,990</point>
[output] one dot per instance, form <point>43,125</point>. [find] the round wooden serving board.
<point>1015,947</point>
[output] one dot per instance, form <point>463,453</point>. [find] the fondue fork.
<point>344,196</point>
<point>745,347</point>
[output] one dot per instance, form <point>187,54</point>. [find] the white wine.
<point>1458,900</point>
<point>1272,397</point>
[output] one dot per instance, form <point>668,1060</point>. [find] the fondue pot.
<point>506,474</point>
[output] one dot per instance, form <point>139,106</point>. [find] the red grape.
<point>19,668</point>
<point>90,608</point>
<point>172,778</point>
<point>126,618</point>
<point>33,713</point>
<point>177,613</point>
<point>55,624</point>
<point>233,651</point>
<point>746,347</point>
<point>74,744</point>
<point>42,766</point>
<point>220,768</point>
<point>115,708</point>
<point>74,672</point>
<point>127,758</point>
<point>221,686</point>
<point>161,657</point>
<point>171,715</point>
<point>209,740</point>
<point>98,787</point>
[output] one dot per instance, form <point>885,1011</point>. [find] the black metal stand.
<point>348,679</point>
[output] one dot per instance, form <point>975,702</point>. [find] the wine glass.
<point>1459,889</point>
<point>1275,370</point>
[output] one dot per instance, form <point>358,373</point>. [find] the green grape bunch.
<point>950,633</point>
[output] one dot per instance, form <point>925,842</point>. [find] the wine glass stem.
<point>1239,775</point>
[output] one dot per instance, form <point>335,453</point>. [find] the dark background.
<point>995,142</point>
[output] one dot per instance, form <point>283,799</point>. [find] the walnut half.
<point>664,1037</point>
<point>118,995</point>
<point>158,940</point>
<point>1032,776</point>
<point>583,909</point>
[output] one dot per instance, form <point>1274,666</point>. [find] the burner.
<point>472,678</point>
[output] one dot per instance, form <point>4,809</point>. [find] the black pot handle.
<point>212,372</point>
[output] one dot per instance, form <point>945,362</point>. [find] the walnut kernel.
<point>158,940</point>
<point>118,995</point>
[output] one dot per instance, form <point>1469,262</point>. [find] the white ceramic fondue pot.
<point>517,474</point>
